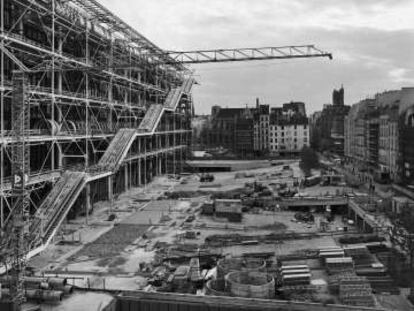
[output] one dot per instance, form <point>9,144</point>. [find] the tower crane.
<point>14,238</point>
<point>246,54</point>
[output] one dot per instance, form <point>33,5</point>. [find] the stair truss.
<point>55,207</point>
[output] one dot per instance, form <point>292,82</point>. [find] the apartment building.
<point>327,126</point>
<point>379,135</point>
<point>288,137</point>
<point>261,128</point>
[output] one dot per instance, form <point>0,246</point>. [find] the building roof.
<point>392,103</point>
<point>229,113</point>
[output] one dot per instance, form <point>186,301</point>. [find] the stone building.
<point>328,125</point>
<point>287,136</point>
<point>379,135</point>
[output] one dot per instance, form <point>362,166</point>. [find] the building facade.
<point>378,135</point>
<point>328,125</point>
<point>232,129</point>
<point>261,130</point>
<point>288,137</point>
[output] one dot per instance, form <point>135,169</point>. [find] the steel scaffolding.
<point>90,76</point>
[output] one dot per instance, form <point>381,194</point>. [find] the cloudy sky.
<point>372,42</point>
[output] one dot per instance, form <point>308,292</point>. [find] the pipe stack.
<point>40,288</point>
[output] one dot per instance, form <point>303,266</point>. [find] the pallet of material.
<point>339,265</point>
<point>363,301</point>
<point>371,271</point>
<point>295,271</point>
<point>361,255</point>
<point>293,267</point>
<point>299,288</point>
<point>356,292</point>
<point>296,279</point>
<point>335,279</point>
<point>328,251</point>
<point>383,284</point>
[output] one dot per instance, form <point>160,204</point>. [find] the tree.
<point>308,160</point>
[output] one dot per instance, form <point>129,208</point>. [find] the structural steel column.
<point>145,171</point>
<point>167,155</point>
<point>139,172</point>
<point>52,86</point>
<point>87,102</point>
<point>60,155</point>
<point>110,191</point>
<point>1,113</point>
<point>87,201</point>
<point>126,183</point>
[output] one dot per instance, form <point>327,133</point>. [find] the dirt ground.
<point>109,253</point>
<point>395,302</point>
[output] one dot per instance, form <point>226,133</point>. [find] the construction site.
<point>101,209</point>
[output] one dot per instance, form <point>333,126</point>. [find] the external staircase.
<point>54,209</point>
<point>117,150</point>
<point>151,119</point>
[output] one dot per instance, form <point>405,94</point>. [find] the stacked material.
<point>331,253</point>
<point>361,256</point>
<point>295,275</point>
<point>356,292</point>
<point>383,284</point>
<point>339,265</point>
<point>335,279</point>
<point>40,288</point>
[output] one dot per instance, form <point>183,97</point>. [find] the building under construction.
<point>89,108</point>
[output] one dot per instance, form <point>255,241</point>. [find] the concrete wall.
<point>251,285</point>
<point>136,301</point>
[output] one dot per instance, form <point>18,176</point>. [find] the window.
<point>295,127</point>
<point>304,126</point>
